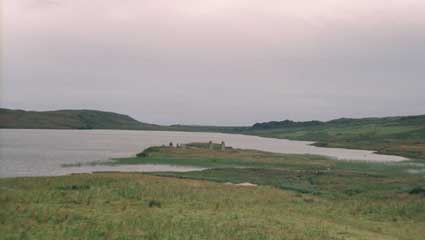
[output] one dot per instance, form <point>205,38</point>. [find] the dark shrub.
<point>74,187</point>
<point>418,191</point>
<point>154,203</point>
<point>352,192</point>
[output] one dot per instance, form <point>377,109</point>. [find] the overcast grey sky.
<point>226,62</point>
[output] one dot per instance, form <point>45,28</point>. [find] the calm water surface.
<point>42,152</point>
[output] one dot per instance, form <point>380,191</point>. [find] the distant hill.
<point>69,119</point>
<point>285,124</point>
<point>391,135</point>
<point>402,120</point>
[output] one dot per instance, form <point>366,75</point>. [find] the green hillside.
<point>69,119</point>
<point>392,135</point>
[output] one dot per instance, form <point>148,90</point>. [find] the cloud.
<point>216,61</point>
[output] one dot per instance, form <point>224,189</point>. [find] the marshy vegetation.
<point>303,173</point>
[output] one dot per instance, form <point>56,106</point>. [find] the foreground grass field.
<point>297,197</point>
<point>136,206</point>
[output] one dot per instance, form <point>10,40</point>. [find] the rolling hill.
<point>69,119</point>
<point>403,136</point>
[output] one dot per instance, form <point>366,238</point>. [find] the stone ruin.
<point>222,145</point>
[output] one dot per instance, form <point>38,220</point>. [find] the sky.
<point>215,62</point>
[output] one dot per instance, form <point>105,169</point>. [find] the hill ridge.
<point>69,119</point>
